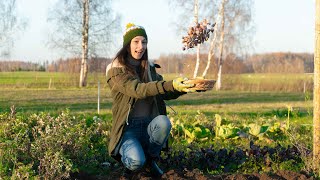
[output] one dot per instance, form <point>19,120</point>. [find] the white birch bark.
<point>196,69</point>
<point>85,38</point>
<point>221,44</point>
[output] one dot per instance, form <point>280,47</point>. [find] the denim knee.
<point>134,164</point>
<point>132,154</point>
<point>164,122</point>
<point>159,129</point>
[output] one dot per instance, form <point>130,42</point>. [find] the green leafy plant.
<point>225,131</point>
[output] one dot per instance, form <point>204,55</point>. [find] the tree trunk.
<point>85,38</point>
<point>210,55</point>
<point>316,91</point>
<point>198,47</point>
<point>218,83</point>
<point>196,4</point>
<point>211,52</point>
<point>220,60</point>
<point>197,62</point>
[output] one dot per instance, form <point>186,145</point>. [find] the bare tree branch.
<point>10,26</point>
<point>66,35</point>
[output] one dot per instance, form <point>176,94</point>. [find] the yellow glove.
<point>180,86</point>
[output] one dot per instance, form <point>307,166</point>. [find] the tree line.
<point>10,66</point>
<point>279,62</point>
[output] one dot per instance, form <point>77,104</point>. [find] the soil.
<point>197,175</point>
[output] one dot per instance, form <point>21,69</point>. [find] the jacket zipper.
<point>127,120</point>
<point>154,98</point>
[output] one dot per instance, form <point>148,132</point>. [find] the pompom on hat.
<point>132,31</point>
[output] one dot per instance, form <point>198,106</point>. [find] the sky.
<point>280,25</point>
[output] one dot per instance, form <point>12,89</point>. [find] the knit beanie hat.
<point>132,31</point>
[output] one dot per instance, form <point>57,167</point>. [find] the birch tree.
<point>196,21</point>
<point>85,41</point>
<point>221,43</point>
<point>10,24</point>
<point>316,91</point>
<point>83,28</point>
<point>234,28</point>
<point>189,8</point>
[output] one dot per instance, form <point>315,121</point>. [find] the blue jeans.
<point>143,137</point>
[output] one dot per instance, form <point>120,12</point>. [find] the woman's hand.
<point>179,85</point>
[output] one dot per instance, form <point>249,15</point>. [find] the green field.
<point>237,104</point>
<point>55,129</point>
<point>45,80</point>
<point>237,82</point>
<point>30,92</point>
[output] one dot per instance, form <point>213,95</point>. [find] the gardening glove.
<point>180,86</point>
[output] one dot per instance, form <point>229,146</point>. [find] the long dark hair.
<point>122,56</point>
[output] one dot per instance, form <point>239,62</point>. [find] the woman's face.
<point>138,46</point>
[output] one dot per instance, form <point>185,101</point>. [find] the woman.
<point>140,126</point>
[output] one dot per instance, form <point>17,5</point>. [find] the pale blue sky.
<point>281,25</point>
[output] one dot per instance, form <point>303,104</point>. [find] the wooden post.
<point>98,97</point>
<point>50,83</point>
<point>316,90</point>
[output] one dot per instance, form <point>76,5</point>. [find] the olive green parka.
<point>126,89</point>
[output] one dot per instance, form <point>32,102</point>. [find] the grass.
<point>37,100</point>
<point>45,80</point>
<point>243,82</point>
<point>241,103</point>
<point>34,95</point>
<point>229,103</point>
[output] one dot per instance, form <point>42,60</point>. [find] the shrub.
<point>47,147</point>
